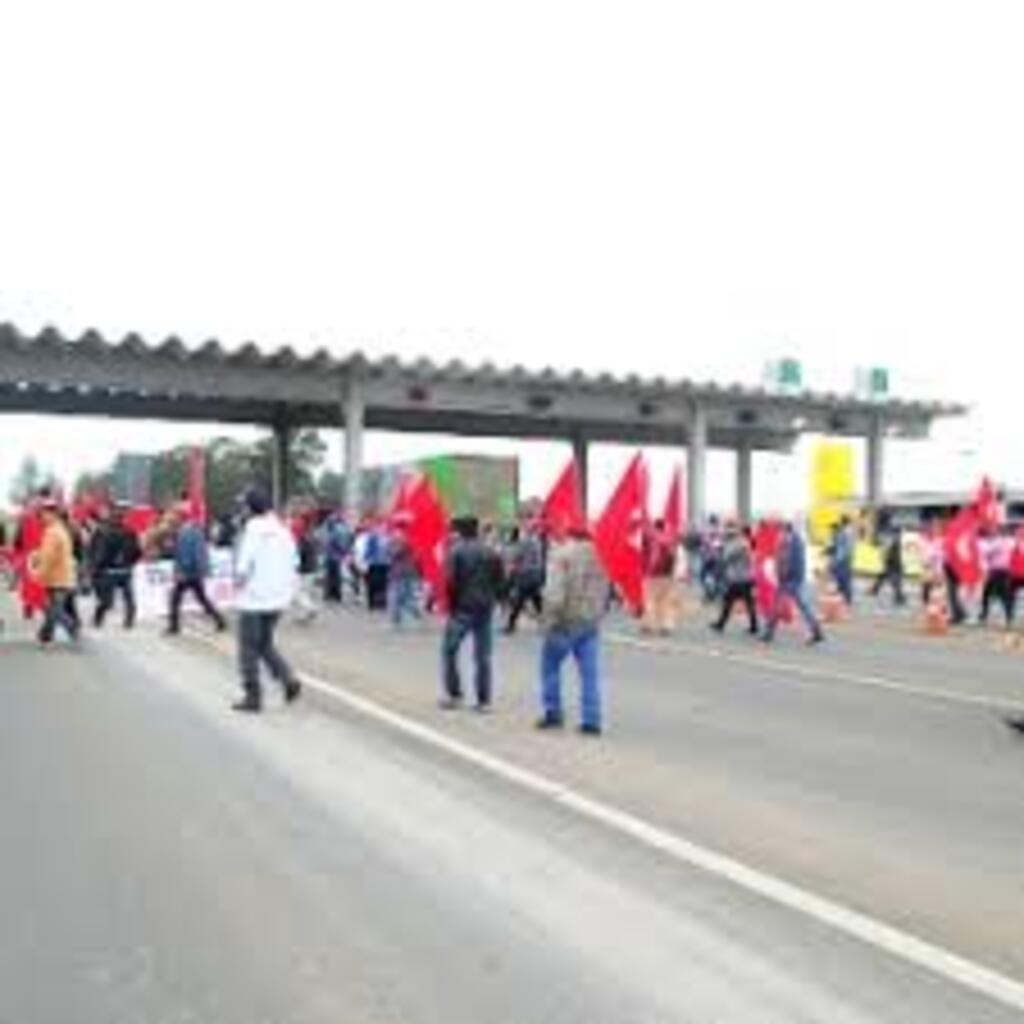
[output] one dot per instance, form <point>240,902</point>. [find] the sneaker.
<point>482,708</point>
<point>450,703</point>
<point>590,730</point>
<point>292,691</point>
<point>716,626</point>
<point>816,638</point>
<point>247,706</point>
<point>550,722</point>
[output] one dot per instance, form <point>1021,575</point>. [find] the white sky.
<point>667,188</point>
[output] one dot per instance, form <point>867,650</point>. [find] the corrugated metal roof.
<point>250,355</point>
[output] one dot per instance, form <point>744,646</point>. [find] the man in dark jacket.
<point>191,568</point>
<point>113,555</point>
<point>793,586</point>
<point>474,577</point>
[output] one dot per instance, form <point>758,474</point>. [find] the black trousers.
<point>198,588</point>
<point>894,577</point>
<point>956,608</point>
<point>377,588</point>
<point>255,647</point>
<point>332,581</point>
<point>61,610</point>
<point>738,592</point>
<point>1001,586</point>
<point>522,595</point>
<point>108,586</point>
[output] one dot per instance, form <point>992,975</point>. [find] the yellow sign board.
<point>832,487</point>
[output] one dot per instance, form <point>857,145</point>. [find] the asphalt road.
<point>876,770</point>
<point>165,860</point>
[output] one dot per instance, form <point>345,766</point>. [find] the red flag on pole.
<point>197,484</point>
<point>618,534</point>
<point>674,514</point>
<point>962,550</point>
<point>987,503</point>
<point>562,510</point>
<point>427,531</point>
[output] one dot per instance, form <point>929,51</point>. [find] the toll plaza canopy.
<point>90,375</point>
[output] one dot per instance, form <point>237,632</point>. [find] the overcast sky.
<point>668,188</point>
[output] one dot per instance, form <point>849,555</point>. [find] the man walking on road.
<point>54,568</point>
<point>191,569</point>
<point>474,577</point>
<point>113,555</point>
<point>575,599</point>
<point>793,586</point>
<point>266,577</point>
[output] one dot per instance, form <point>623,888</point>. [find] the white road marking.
<point>894,941</point>
<point>768,662</point>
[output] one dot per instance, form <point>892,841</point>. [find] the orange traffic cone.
<point>936,615</point>
<point>832,608</point>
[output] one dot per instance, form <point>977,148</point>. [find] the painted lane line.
<point>773,664</point>
<point>935,959</point>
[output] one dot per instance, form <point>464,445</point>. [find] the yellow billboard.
<point>832,487</point>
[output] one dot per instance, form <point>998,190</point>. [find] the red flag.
<point>618,534</point>
<point>962,550</point>
<point>674,507</point>
<point>398,509</point>
<point>140,519</point>
<point>427,531</point>
<point>988,506</point>
<point>767,541</point>
<point>767,538</point>
<point>197,484</point>
<point>562,510</point>
<point>1017,559</point>
<point>27,542</point>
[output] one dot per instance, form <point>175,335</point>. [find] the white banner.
<point>154,581</point>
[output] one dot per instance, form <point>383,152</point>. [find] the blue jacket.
<point>191,555</point>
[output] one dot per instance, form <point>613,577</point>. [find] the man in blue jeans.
<point>475,579</point>
<point>793,586</point>
<point>575,599</point>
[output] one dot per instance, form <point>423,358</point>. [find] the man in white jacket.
<point>266,575</point>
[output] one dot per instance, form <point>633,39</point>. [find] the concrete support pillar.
<point>697,467</point>
<point>281,471</point>
<point>581,453</point>
<point>876,463</point>
<point>745,482</point>
<point>354,417</point>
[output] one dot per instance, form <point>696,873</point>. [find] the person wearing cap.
<point>113,554</point>
<point>475,579</point>
<point>191,569</point>
<point>54,568</point>
<point>266,576</point>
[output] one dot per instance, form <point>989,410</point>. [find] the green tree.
<point>29,479</point>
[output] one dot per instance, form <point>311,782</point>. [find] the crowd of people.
<point>309,559</point>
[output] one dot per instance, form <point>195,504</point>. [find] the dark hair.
<point>256,501</point>
<point>467,527</point>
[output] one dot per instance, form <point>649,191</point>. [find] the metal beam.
<point>355,412</point>
<point>696,468</point>
<point>745,483</point>
<point>581,453</point>
<point>876,463</point>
